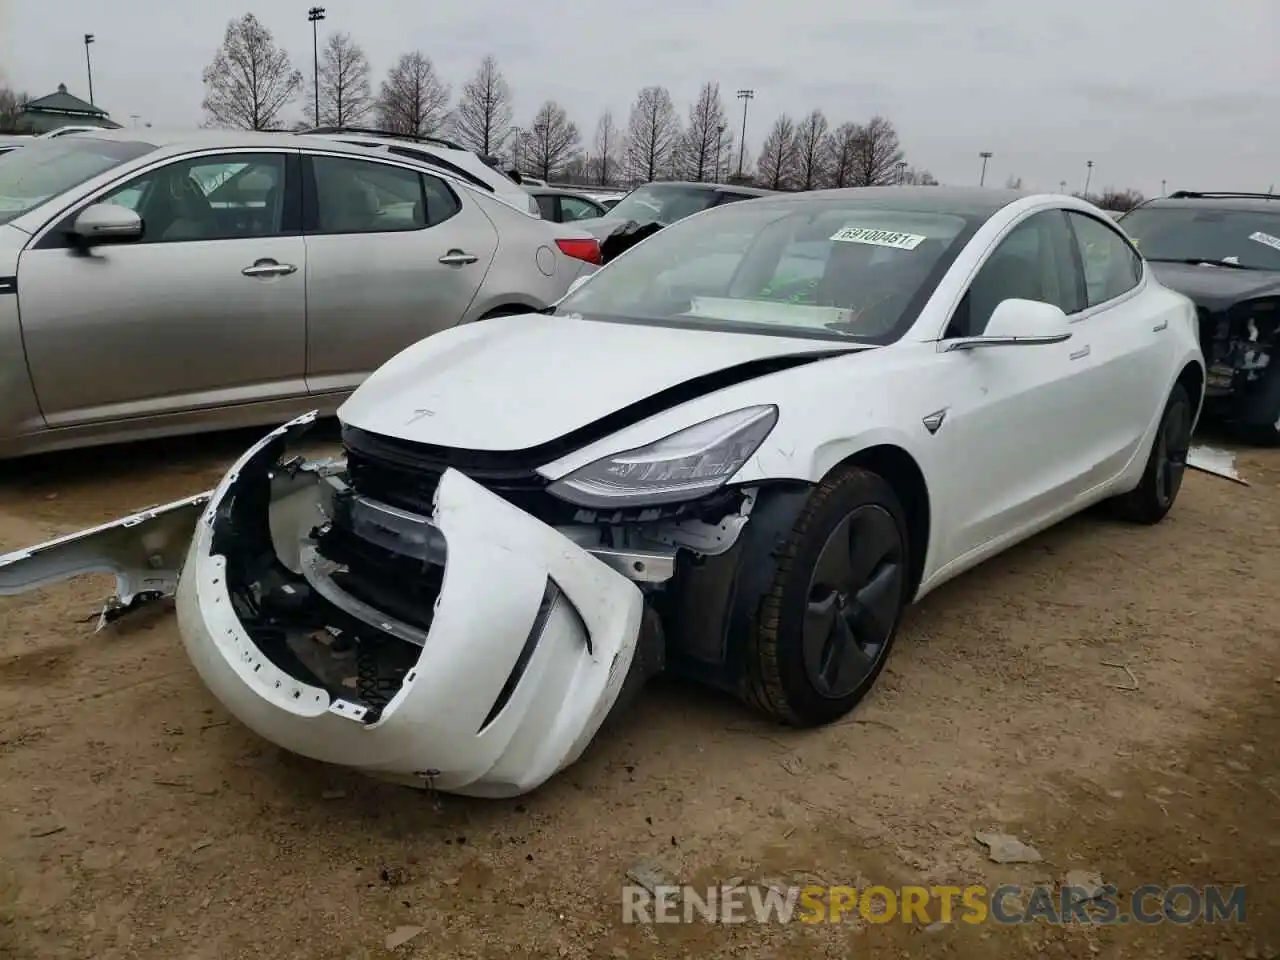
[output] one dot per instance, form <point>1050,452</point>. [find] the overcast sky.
<point>1148,90</point>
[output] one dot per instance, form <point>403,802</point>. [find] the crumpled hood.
<point>1217,288</point>
<point>510,383</point>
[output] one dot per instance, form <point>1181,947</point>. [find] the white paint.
<point>1266,239</point>
<point>1221,463</point>
<point>878,238</point>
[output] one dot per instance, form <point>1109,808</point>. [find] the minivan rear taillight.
<point>588,250</point>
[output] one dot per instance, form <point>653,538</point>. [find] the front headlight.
<point>682,466</point>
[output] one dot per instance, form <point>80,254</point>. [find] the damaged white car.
<point>736,452</point>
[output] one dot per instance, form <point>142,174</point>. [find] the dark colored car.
<point>1223,251</point>
<point>565,206</point>
<point>647,209</point>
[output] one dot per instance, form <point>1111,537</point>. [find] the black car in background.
<point>1223,251</point>
<point>647,209</point>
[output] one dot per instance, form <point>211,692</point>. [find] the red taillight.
<point>588,250</point>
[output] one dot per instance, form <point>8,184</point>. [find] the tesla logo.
<point>934,420</point>
<point>419,414</point>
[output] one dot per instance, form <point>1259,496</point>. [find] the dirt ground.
<point>136,820</point>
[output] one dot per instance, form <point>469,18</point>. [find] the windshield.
<point>1245,238</point>
<point>665,203</point>
<point>799,267</point>
<point>34,174</point>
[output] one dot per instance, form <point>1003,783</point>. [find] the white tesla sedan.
<point>735,452</point>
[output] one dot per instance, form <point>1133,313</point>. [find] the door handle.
<point>269,268</point>
<point>458,258</point>
<point>1080,354</point>
<point>1160,326</point>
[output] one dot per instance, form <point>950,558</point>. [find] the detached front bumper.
<point>501,684</point>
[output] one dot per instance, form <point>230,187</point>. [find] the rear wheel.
<point>829,618</point>
<point>1162,479</point>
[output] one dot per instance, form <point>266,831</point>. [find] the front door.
<point>1017,427</point>
<point>394,254</point>
<point>207,309</point>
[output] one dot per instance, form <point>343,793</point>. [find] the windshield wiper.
<point>1201,261</point>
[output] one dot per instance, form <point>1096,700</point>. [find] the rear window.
<point>1247,238</point>
<point>664,203</point>
<point>47,168</point>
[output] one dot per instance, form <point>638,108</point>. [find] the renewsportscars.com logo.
<point>1007,904</point>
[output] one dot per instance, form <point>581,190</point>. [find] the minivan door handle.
<point>458,258</point>
<point>269,268</point>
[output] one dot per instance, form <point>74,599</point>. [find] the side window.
<point>442,202</point>
<point>227,197</point>
<point>362,196</point>
<point>547,205</point>
<point>1111,268</point>
<point>1035,261</point>
<point>574,208</point>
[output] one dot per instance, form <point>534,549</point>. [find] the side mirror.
<point>1016,323</point>
<point>106,223</point>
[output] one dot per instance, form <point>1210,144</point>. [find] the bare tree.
<point>345,94</point>
<point>702,137</point>
<point>605,150</point>
<point>776,168</point>
<point>652,132</point>
<point>840,147</point>
<point>918,178</point>
<point>250,79</point>
<point>877,155</point>
<point>810,156</point>
<point>483,118</point>
<point>551,141</point>
<point>1112,199</point>
<point>11,104</point>
<point>413,98</point>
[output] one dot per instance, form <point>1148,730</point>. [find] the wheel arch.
<point>1192,379</point>
<point>901,471</point>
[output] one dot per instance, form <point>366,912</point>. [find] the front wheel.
<point>828,620</point>
<point>1153,498</point>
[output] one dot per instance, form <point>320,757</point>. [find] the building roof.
<point>63,102</point>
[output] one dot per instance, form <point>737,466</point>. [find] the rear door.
<point>394,254</point>
<point>1129,344</point>
<point>207,309</point>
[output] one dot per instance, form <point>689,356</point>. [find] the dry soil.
<point>136,820</point>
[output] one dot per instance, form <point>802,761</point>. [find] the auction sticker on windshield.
<point>1266,238</point>
<point>878,238</point>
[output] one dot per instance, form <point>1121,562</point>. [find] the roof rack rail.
<point>1220,195</point>
<point>389,134</point>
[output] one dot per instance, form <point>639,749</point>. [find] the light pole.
<point>902,170</point>
<point>88,63</point>
<point>315,15</point>
<point>746,96</point>
<point>719,150</point>
<point>1088,177</point>
<point>985,155</point>
<point>1062,186</point>
<point>1163,191</point>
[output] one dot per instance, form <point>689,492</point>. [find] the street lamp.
<point>1163,191</point>
<point>88,64</point>
<point>746,96</point>
<point>902,169</point>
<point>1062,186</point>
<point>985,155</point>
<point>314,16</point>
<point>1088,177</point>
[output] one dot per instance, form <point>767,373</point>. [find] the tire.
<point>857,617</point>
<point>1153,498</point>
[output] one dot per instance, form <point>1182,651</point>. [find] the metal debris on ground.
<point>1002,848</point>
<point>1220,463</point>
<point>650,874</point>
